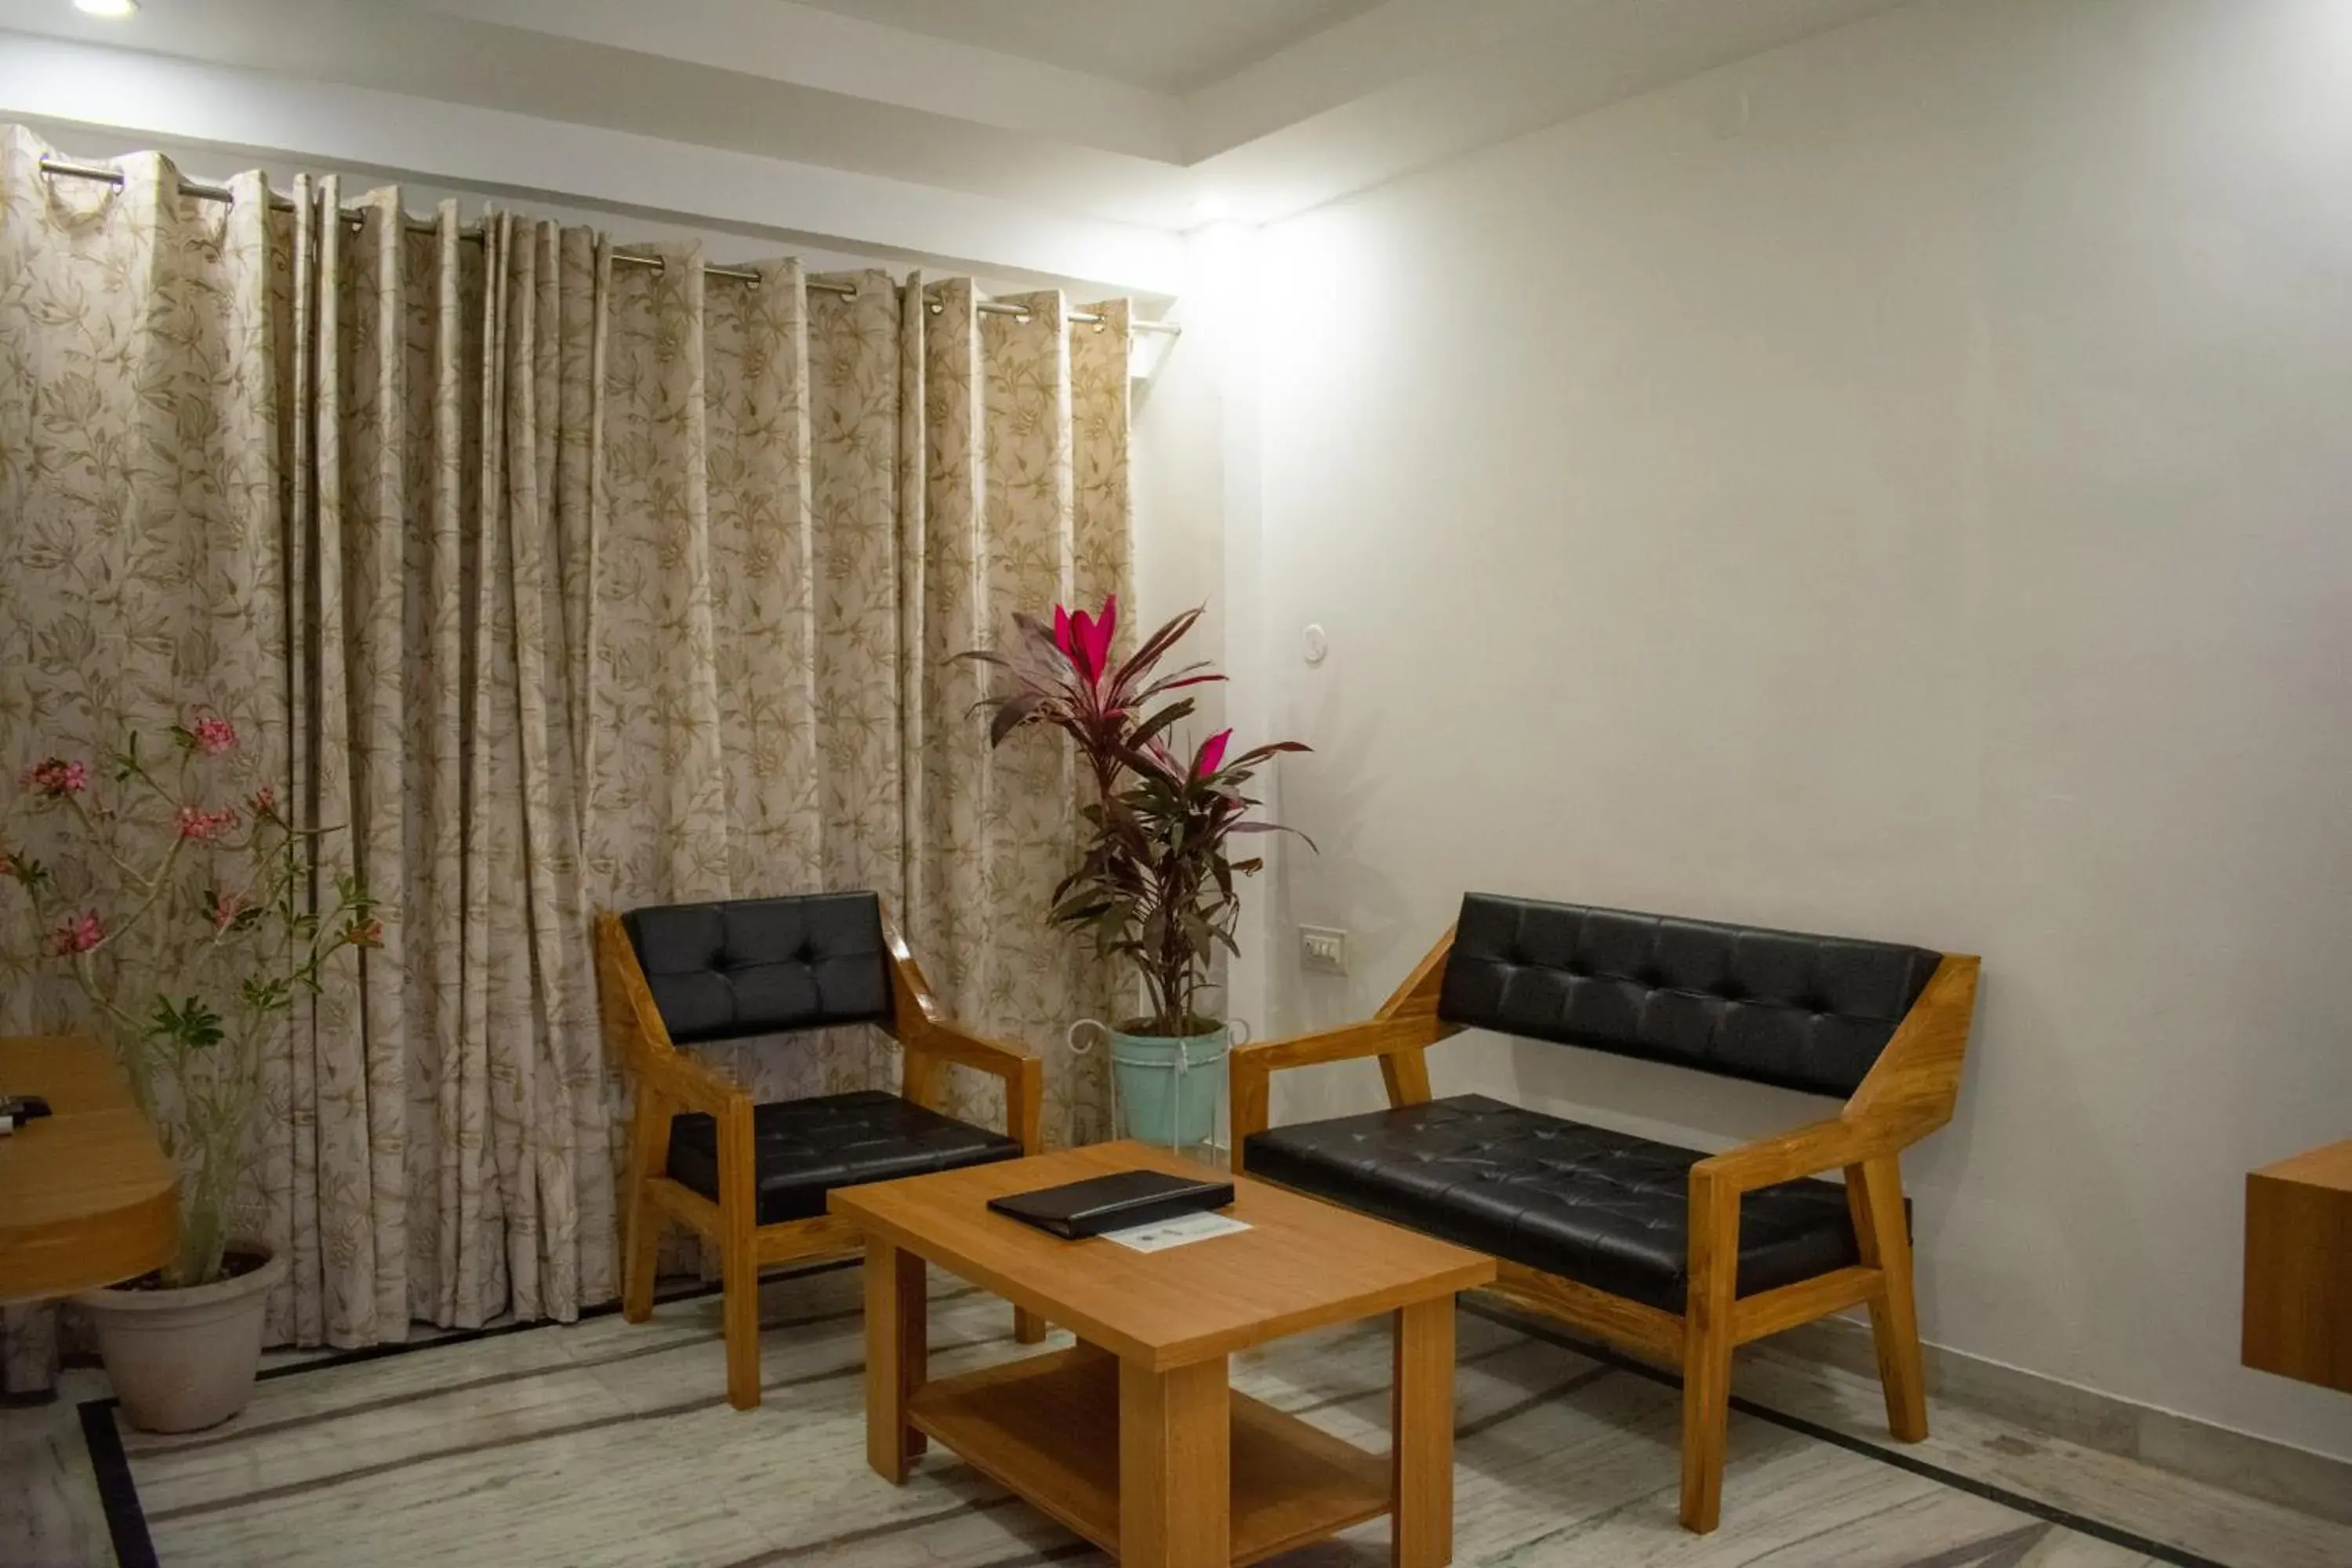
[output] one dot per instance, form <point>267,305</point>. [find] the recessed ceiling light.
<point>105,7</point>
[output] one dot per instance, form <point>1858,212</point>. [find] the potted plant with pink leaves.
<point>189,926</point>
<point>1158,884</point>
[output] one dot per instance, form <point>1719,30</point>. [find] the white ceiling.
<point>1136,116</point>
<point>1168,46</point>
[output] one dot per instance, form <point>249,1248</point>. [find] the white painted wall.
<point>1898,485</point>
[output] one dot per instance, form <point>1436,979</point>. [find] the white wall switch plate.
<point>1323,950</point>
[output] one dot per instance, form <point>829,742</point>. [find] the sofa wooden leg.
<point>1707,1341</point>
<point>739,1256</point>
<point>1875,1194</point>
<point>648,1146</point>
<point>1706,1426</point>
<point>1028,1328</point>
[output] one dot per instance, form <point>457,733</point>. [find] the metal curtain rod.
<point>732,273</point>
<point>59,168</point>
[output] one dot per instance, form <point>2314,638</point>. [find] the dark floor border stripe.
<point>2114,1535</point>
<point>126,1522</point>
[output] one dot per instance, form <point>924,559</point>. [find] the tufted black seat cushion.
<point>803,1148</point>
<point>762,966</point>
<point>1605,1209</point>
<point>1783,1007</point>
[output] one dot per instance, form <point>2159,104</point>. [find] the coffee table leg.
<point>897,1346</point>
<point>1421,1438</point>
<point>1175,1466</point>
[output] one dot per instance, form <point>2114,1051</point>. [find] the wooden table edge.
<point>1475,1270</point>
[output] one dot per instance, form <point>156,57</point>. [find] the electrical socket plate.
<point>1322,950</point>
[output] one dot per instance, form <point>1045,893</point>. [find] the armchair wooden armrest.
<point>931,1041</point>
<point>636,1036</point>
<point>954,1043</point>
<point>684,1084</point>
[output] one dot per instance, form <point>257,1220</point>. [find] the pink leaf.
<point>1099,654</point>
<point>1212,752</point>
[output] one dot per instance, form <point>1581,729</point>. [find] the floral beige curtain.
<point>551,583</point>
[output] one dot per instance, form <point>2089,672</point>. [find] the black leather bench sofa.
<point>1677,1254</point>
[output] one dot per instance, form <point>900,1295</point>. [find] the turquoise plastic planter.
<point>1164,1091</point>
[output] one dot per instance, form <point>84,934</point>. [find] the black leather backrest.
<point>757,966</point>
<point>1804,1012</point>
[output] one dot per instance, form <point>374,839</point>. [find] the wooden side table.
<point>2298,1312</point>
<point>1134,1438</point>
<point>87,1197</point>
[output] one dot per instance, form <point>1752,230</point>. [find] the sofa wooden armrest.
<point>1909,1093</point>
<point>1392,1040</point>
<point>1398,1035</point>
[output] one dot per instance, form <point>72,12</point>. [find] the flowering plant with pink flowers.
<point>1157,884</point>
<point>189,1011</point>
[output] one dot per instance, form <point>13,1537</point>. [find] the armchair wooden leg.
<point>739,1257</point>
<point>1707,1350</point>
<point>1874,1196</point>
<point>648,1150</point>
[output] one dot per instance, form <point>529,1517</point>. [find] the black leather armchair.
<point>1679,1255</point>
<point>752,1178</point>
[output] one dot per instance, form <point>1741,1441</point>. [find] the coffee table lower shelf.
<point>1046,1428</point>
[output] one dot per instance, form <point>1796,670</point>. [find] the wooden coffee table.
<point>1133,1438</point>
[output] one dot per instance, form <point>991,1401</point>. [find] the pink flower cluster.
<point>263,802</point>
<point>226,907</point>
<point>58,778</point>
<point>205,826</point>
<point>77,935</point>
<point>212,734</point>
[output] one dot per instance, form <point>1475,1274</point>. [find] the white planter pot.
<point>183,1360</point>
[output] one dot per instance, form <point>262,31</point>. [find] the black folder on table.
<point>1116,1202</point>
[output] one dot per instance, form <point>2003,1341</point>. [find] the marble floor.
<point>608,1443</point>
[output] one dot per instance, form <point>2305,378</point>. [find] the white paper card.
<point>1181,1231</point>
